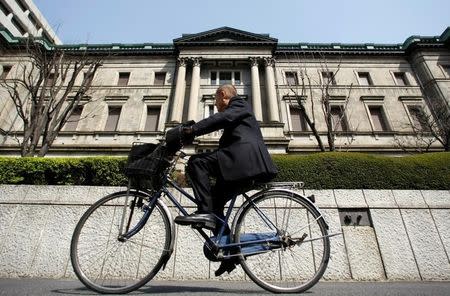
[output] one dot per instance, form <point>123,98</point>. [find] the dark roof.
<point>226,36</point>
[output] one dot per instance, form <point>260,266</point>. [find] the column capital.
<point>182,62</point>
<point>269,62</point>
<point>196,61</point>
<point>254,61</point>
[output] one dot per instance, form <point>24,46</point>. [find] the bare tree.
<point>438,123</point>
<point>428,128</point>
<point>305,89</point>
<point>45,92</point>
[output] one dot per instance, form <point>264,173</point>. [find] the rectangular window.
<point>5,9</point>
<point>6,70</point>
<point>18,25</point>
<point>74,118</point>
<point>298,120</point>
<point>378,118</point>
<point>209,110</point>
<point>160,78</point>
<point>21,5</point>
<point>291,78</point>
<point>328,78</point>
<point>400,78</point>
<point>47,37</point>
<point>224,78</point>
<point>50,80</point>
<point>446,69</point>
<point>113,118</point>
<point>364,78</point>
<point>213,78</point>
<point>419,118</point>
<point>151,123</point>
<point>237,77</point>
<point>124,77</point>
<point>33,20</point>
<point>338,119</point>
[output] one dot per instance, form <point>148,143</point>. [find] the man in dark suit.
<point>241,158</point>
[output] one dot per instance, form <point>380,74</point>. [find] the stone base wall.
<point>407,239</point>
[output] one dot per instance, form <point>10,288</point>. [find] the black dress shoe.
<point>227,265</point>
<point>197,220</point>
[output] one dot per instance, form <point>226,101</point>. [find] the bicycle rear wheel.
<point>298,264</point>
<point>105,262</point>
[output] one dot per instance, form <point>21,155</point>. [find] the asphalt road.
<point>59,287</point>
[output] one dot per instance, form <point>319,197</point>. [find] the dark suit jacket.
<point>242,153</point>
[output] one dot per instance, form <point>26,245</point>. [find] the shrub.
<point>357,170</point>
<point>63,171</point>
<point>330,170</point>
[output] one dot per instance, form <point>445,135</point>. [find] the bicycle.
<point>279,236</point>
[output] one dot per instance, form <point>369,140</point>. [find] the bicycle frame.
<point>215,244</point>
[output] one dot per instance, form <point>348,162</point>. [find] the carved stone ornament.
<point>254,61</point>
<point>196,61</point>
<point>269,62</point>
<point>182,62</point>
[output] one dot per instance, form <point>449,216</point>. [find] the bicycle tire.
<point>292,269</point>
<point>105,264</point>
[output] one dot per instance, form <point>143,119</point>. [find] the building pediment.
<point>225,36</point>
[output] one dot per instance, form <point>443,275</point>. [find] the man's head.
<point>223,95</point>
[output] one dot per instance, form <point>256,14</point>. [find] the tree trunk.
<point>312,125</point>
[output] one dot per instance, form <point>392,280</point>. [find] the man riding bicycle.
<point>241,158</point>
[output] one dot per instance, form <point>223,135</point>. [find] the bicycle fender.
<point>270,190</point>
<point>172,232</point>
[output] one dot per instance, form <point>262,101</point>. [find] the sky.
<point>290,21</point>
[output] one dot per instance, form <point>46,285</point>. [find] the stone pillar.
<point>180,88</point>
<point>256,90</point>
<point>195,86</point>
<point>272,103</point>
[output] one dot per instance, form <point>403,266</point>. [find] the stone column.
<point>272,103</point>
<point>195,86</point>
<point>256,90</point>
<point>180,88</point>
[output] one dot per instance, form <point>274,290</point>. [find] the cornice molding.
<point>223,39</point>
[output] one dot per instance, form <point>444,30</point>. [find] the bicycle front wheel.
<point>106,262</point>
<point>301,256</point>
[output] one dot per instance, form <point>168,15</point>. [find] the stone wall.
<point>407,237</point>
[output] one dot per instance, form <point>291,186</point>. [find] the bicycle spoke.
<point>290,267</point>
<point>307,225</point>
<point>147,246</point>
<point>109,265</point>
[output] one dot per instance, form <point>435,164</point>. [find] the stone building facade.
<point>376,91</point>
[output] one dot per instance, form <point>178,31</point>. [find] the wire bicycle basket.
<point>146,165</point>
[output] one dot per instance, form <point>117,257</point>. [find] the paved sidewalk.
<point>64,287</point>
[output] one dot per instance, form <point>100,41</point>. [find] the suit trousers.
<point>210,189</point>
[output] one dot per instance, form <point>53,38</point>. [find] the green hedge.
<point>357,170</point>
<point>105,171</point>
<point>320,170</point>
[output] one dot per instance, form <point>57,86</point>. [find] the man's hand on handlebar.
<point>187,133</point>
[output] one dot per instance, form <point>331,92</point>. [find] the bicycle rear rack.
<point>291,185</point>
